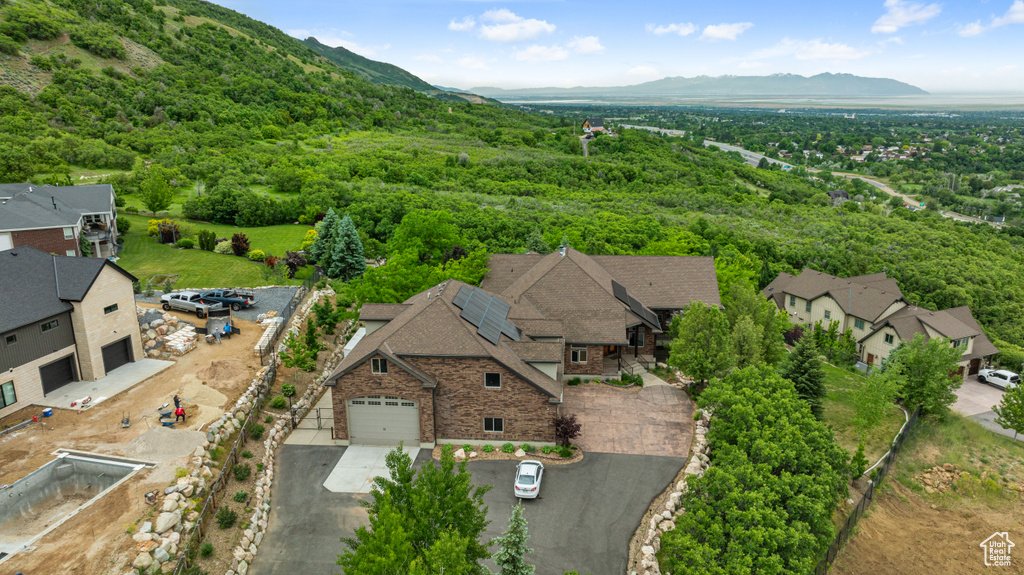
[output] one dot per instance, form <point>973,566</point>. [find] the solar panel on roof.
<point>636,307</point>
<point>488,313</point>
<point>511,330</point>
<point>620,292</point>
<point>462,297</point>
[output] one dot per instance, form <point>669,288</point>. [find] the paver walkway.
<point>656,420</point>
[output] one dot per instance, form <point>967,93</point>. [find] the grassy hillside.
<point>372,70</point>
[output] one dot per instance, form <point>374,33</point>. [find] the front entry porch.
<point>620,358</point>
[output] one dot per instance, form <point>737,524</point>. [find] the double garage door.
<point>383,420</point>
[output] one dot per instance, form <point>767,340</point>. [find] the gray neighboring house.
<point>62,319</point>
<point>56,218</point>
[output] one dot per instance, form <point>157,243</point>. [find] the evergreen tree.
<point>535,243</point>
<point>805,371</point>
<point>323,246</point>
<point>511,553</point>
<point>346,259</point>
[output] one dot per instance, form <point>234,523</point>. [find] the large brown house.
<point>458,363</point>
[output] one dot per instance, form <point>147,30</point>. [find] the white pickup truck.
<point>1002,379</point>
<point>189,301</point>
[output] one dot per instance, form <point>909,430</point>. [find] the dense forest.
<point>252,128</point>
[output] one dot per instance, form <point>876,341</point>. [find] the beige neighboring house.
<point>62,319</point>
<point>874,309</point>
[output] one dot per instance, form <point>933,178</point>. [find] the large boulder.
<point>167,521</point>
<point>143,561</point>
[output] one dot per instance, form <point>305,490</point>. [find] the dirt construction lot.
<point>90,543</point>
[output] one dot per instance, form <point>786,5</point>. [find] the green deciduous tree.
<point>877,397</point>
<point>746,342</point>
<point>804,369</point>
<point>155,192</point>
<point>703,348</point>
<point>930,369</point>
<point>1010,411</point>
<point>426,520</point>
<point>744,302</point>
<point>511,554</point>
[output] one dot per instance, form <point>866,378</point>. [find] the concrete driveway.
<point>656,420</point>
<point>975,400</point>
<point>583,519</point>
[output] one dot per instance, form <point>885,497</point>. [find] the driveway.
<point>975,400</point>
<point>656,420</point>
<point>583,520</point>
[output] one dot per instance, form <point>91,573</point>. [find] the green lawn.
<point>842,387</point>
<point>144,257</point>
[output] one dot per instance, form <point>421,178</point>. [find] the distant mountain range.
<point>831,85</point>
<point>372,70</point>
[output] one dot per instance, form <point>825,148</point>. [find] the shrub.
<point>241,496</point>
<point>279,402</point>
<point>168,286</point>
<point>268,419</point>
<point>148,292</point>
<point>256,431</point>
<point>566,428</point>
<point>242,471</point>
<point>467,448</point>
<point>546,449</point>
<point>124,225</point>
<point>564,452</point>
<point>207,240</point>
<point>216,453</point>
<point>226,517</point>
<point>256,255</point>
<point>10,47</point>
<point>186,244</point>
<point>259,467</point>
<point>223,247</point>
<point>239,244</point>
<point>247,454</point>
<point>136,287</point>
<point>575,381</point>
<point>488,448</point>
<point>526,447</point>
<point>99,40</point>
<point>181,472</point>
<point>23,22</point>
<point>206,550</point>
<point>287,390</point>
<point>508,448</point>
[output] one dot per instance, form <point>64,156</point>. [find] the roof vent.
<point>54,200</point>
<point>561,251</point>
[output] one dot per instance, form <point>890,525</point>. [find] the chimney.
<point>561,251</point>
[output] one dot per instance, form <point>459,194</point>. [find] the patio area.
<point>117,381</point>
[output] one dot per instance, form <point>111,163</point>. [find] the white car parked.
<point>529,474</point>
<point>1002,379</point>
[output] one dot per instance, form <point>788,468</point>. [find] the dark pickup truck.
<point>235,298</point>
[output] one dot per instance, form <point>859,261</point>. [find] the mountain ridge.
<point>373,70</point>
<point>782,84</point>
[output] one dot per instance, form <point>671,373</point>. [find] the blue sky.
<point>954,46</point>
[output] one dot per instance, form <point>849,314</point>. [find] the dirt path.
<point>206,379</point>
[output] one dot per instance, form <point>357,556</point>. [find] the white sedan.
<point>1002,379</point>
<point>528,477</point>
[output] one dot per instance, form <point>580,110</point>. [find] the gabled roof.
<point>911,320</point>
<point>27,206</point>
<point>866,296</point>
<point>35,285</point>
<point>430,325</point>
<point>983,346</point>
<point>381,311</point>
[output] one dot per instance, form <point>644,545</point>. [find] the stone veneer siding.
<point>50,241</point>
<point>463,402</point>
<point>594,365</point>
<point>361,381</point>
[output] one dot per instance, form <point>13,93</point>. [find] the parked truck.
<point>236,299</point>
<point>189,301</point>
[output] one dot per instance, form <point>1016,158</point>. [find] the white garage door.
<point>383,420</point>
<point>5,241</point>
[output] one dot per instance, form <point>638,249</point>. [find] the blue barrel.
<point>48,412</point>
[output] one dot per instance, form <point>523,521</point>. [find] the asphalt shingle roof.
<point>31,207</point>
<point>381,311</point>
<point>35,285</point>
<point>865,296</point>
<point>983,346</point>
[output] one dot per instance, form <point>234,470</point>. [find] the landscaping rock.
<point>147,527</point>
<point>243,568</point>
<point>460,454</point>
<point>143,561</point>
<point>647,550</point>
<point>142,537</point>
<point>166,521</point>
<point>168,506</point>
<point>520,453</point>
<point>472,454</point>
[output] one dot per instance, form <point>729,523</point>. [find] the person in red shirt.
<point>179,412</point>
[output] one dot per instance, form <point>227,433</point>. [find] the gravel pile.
<point>267,299</point>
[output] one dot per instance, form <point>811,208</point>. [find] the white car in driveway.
<point>529,474</point>
<point>1002,379</point>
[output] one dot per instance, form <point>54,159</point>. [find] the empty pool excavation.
<point>57,491</point>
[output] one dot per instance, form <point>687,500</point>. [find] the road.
<point>751,158</point>
<point>583,140</point>
<point>975,400</point>
<point>677,133</point>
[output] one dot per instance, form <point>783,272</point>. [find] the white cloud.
<point>586,45</point>
<point>1006,68</point>
<point>428,58</point>
<point>890,40</point>
<point>644,71</point>
<point>972,29</point>
<point>901,14</point>
<point>1015,15</point>
<point>472,63</point>
<point>506,26</point>
<point>537,53</point>
<point>818,50</point>
<point>467,23</point>
<point>682,29</point>
<point>725,31</point>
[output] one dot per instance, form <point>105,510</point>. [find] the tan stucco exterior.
<point>95,329</point>
<point>28,386</point>
<point>875,346</point>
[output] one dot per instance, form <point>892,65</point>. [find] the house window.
<point>379,366</point>
<point>494,424</point>
<point>7,397</point>
<point>808,307</point>
<point>578,354</point>
<point>52,324</point>
<point>110,309</point>
<point>889,338</point>
<point>636,338</point>
<point>828,314</point>
<point>70,253</point>
<point>858,323</point>
<point>792,301</point>
<point>11,339</point>
<point>69,233</point>
<point>492,380</point>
